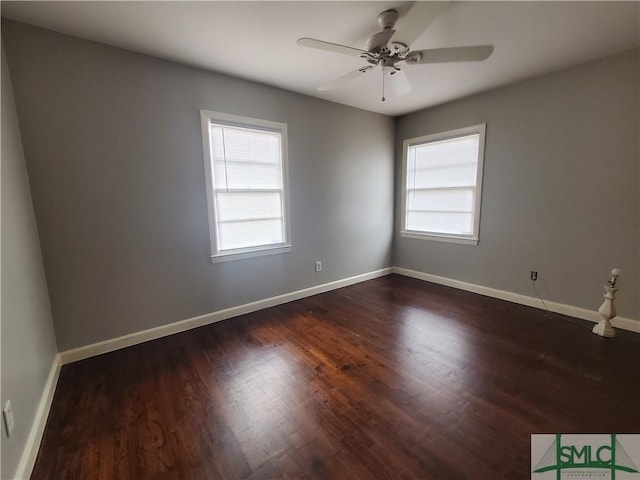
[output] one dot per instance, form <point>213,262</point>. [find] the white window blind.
<point>442,184</point>
<point>247,188</point>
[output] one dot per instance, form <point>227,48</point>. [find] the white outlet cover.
<point>7,415</point>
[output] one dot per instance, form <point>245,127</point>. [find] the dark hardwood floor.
<point>390,378</point>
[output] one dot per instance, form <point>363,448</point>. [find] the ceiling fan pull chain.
<point>383,99</point>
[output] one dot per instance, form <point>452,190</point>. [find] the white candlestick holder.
<point>608,308</point>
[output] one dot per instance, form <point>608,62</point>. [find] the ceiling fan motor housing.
<point>387,19</point>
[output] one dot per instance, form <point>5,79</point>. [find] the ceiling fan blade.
<point>379,40</point>
<point>417,19</point>
<point>399,83</point>
<point>344,78</point>
<point>330,47</point>
<point>454,54</point>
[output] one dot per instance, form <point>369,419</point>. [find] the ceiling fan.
<point>381,51</point>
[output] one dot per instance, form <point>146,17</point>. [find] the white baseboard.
<point>570,310</point>
<point>30,452</point>
<point>206,319</point>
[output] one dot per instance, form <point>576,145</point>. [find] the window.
<point>441,193</point>
<point>246,168</point>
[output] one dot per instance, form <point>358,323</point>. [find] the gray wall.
<point>113,148</point>
<point>114,152</point>
<point>28,340</point>
<point>561,186</point>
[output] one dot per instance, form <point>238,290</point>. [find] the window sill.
<point>239,255</point>
<point>440,238</point>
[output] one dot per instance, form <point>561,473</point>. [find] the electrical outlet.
<point>318,266</point>
<point>7,414</point>
<point>534,276</point>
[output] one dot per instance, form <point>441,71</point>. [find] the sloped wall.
<point>28,339</point>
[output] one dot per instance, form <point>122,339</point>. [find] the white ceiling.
<point>257,40</point>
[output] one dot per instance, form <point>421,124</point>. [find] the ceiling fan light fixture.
<point>387,62</point>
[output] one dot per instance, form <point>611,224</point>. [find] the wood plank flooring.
<point>390,378</point>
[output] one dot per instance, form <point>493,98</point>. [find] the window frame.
<point>472,239</point>
<point>207,117</point>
